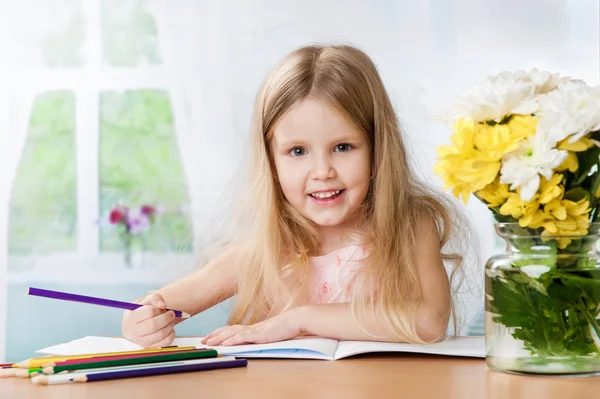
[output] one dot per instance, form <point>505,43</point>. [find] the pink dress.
<point>332,275</point>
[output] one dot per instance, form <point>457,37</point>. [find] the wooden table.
<point>381,376</point>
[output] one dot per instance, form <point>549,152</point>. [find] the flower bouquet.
<point>527,144</point>
<point>133,222</point>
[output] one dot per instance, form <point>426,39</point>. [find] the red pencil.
<point>113,357</point>
<point>3,365</point>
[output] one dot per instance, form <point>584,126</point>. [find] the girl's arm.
<point>204,288</point>
<point>337,321</point>
<point>151,326</point>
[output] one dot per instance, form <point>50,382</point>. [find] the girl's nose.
<point>323,169</point>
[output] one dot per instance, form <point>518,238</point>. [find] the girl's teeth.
<point>325,195</point>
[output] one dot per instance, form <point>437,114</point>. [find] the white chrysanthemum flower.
<point>503,94</point>
<point>572,110</point>
<point>523,167</point>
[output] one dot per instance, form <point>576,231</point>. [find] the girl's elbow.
<point>431,335</point>
<point>432,325</point>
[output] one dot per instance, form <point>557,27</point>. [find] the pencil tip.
<point>24,364</point>
<point>185,315</point>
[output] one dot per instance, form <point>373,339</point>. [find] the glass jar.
<point>542,303</point>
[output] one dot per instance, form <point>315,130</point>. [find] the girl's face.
<point>323,163</point>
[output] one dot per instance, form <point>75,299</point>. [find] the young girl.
<point>336,237</point>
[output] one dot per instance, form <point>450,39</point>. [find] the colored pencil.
<point>116,357</point>
<point>104,374</point>
<point>26,373</point>
<point>43,361</point>
<point>95,301</point>
<point>3,365</point>
<point>136,360</point>
<point>7,373</point>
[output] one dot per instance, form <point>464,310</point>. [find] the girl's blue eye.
<point>342,147</point>
<point>297,151</point>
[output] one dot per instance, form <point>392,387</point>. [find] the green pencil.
<point>172,356</point>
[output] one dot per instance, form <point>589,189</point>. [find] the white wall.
<point>427,52</point>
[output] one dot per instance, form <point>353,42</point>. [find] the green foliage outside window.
<point>140,164</point>
<point>43,211</point>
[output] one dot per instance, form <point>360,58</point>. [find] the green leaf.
<point>576,194</point>
<point>553,315</point>
<point>510,305</point>
<point>587,159</point>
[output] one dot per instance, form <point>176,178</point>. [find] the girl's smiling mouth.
<point>327,197</point>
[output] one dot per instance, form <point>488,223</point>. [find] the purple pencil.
<point>206,364</point>
<point>94,301</point>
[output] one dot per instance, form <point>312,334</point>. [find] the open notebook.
<point>299,348</point>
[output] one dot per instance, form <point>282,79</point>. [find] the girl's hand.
<point>278,328</point>
<point>150,326</point>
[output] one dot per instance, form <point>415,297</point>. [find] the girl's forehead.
<point>313,118</point>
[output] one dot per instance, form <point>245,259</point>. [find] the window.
<point>98,130</point>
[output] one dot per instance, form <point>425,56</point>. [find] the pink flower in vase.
<point>148,210</point>
<point>137,221</point>
<point>116,215</point>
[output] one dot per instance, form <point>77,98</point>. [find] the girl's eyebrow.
<point>288,143</point>
<point>341,138</point>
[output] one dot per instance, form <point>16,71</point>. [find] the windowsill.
<point>109,269</point>
<point>108,277</point>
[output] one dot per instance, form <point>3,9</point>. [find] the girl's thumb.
<point>157,300</point>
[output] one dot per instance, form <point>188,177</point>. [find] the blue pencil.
<point>94,301</point>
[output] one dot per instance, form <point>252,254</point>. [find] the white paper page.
<point>300,348</point>
<point>456,346</point>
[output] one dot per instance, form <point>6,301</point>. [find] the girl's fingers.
<point>160,338</point>
<point>146,312</point>
<point>214,333</point>
<point>154,324</point>
<point>155,299</point>
<point>228,333</point>
<point>240,338</point>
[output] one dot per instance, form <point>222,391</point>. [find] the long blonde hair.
<point>270,231</point>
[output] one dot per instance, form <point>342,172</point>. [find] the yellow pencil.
<point>42,361</point>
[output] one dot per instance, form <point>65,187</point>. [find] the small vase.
<point>542,303</point>
<point>134,259</point>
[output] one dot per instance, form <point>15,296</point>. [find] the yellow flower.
<point>550,194</point>
<point>572,163</point>
<point>529,213</point>
<point>556,209</point>
<point>461,165</point>
<point>522,126</point>
<point>551,189</point>
<point>516,207</point>
<point>575,223</point>
<point>497,140</point>
<point>494,194</point>
<point>580,145</point>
